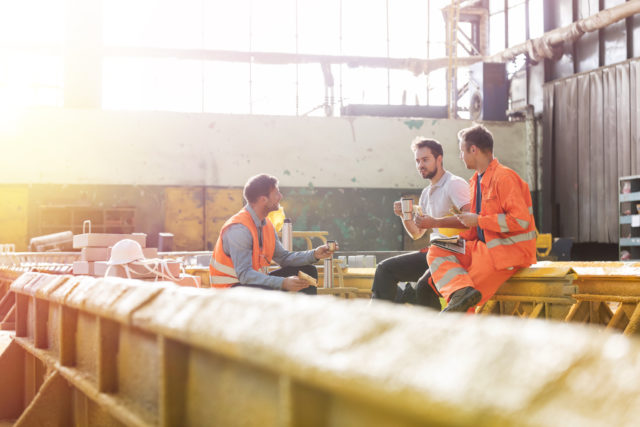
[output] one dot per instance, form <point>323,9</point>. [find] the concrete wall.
<point>65,146</point>
<point>337,174</point>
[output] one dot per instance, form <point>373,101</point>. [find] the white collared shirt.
<point>437,199</point>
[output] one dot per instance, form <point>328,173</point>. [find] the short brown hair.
<point>258,186</point>
<point>477,135</point>
<point>431,144</point>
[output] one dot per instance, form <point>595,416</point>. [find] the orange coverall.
<point>506,217</point>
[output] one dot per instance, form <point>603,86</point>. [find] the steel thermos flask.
<point>287,234</point>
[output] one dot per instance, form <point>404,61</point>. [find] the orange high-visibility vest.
<point>221,271</point>
<point>510,237</point>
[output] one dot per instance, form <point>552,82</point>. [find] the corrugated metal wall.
<point>591,138</point>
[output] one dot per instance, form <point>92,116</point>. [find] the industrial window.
<point>31,61</point>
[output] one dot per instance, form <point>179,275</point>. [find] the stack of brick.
<point>95,252</point>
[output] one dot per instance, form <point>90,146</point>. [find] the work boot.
<point>462,299</point>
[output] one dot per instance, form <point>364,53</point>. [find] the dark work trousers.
<point>291,271</point>
<point>411,267</point>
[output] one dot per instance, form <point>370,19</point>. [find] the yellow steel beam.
<point>136,353</point>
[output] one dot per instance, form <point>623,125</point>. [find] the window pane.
<point>405,86</point>
<point>437,27</point>
<point>152,84</point>
<point>227,25</point>
<point>408,29</point>
<point>438,50</point>
<point>32,22</point>
<point>496,33</point>
<point>28,79</point>
<point>364,28</point>
<point>517,23</point>
<point>364,85</point>
<point>311,90</point>
<point>536,18</point>
<point>226,88</point>
<point>273,89</point>
<point>273,26</point>
<point>496,6</point>
<point>438,87</point>
<point>153,23</point>
<point>319,27</point>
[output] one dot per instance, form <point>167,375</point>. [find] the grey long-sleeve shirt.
<point>237,243</point>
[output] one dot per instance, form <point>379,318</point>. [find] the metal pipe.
<point>548,45</point>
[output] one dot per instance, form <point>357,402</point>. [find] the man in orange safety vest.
<point>502,234</point>
<point>248,243</point>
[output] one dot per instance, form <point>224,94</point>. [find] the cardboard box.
<point>84,267</point>
<point>104,240</point>
<point>135,270</point>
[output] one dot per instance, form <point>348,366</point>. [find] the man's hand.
<point>468,219</point>
<point>323,251</point>
<point>424,221</point>
<point>294,284</point>
<point>397,208</point>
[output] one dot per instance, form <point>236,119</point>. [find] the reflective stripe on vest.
<point>224,269</point>
<point>531,235</point>
<point>222,280</point>
<point>439,261</point>
<point>449,275</point>
<point>504,228</point>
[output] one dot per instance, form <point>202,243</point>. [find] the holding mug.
<point>407,208</point>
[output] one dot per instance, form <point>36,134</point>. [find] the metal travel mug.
<point>407,208</point>
<point>287,234</point>
<point>331,244</point>
<point>328,272</point>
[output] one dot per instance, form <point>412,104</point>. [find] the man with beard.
<point>446,193</point>
<point>248,243</point>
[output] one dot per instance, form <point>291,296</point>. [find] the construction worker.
<point>248,243</point>
<point>446,192</point>
<point>502,234</point>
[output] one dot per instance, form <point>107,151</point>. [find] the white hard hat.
<point>125,251</point>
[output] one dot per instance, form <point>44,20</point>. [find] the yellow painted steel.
<point>14,201</point>
<point>220,205</point>
<point>123,352</point>
<point>184,217</point>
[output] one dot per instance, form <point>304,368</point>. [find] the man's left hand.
<point>468,219</point>
<point>323,251</point>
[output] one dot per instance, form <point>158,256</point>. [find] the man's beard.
<point>430,175</point>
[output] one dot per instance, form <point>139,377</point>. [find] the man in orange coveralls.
<point>502,234</point>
